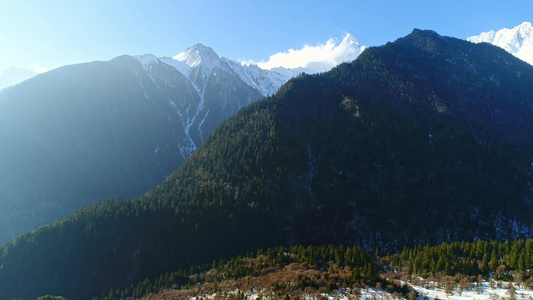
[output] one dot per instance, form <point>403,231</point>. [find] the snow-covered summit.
<point>517,41</point>
<point>348,50</point>
<point>198,54</point>
<point>199,62</point>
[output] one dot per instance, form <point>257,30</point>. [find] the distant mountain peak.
<point>525,27</point>
<point>196,55</point>
<point>350,49</point>
<point>349,40</point>
<point>517,41</point>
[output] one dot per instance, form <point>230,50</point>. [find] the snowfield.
<point>498,291</point>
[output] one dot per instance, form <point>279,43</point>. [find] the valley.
<point>330,170</point>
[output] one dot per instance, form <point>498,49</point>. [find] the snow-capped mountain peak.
<point>517,41</point>
<point>348,50</point>
<point>347,41</point>
<point>196,55</point>
<point>198,64</point>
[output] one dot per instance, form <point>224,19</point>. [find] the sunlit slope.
<point>79,133</point>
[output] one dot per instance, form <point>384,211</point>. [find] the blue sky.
<point>39,34</point>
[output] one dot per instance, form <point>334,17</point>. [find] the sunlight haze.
<point>43,35</point>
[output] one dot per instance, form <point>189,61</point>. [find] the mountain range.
<point>422,140</point>
<point>517,41</point>
<point>85,132</point>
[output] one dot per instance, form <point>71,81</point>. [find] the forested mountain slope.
<point>426,139</point>
<point>81,133</point>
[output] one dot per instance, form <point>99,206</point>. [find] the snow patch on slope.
<point>485,290</point>
<point>429,291</point>
<point>182,67</point>
<point>517,41</point>
<point>147,60</point>
<point>267,82</point>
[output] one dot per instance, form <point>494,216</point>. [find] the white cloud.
<point>322,56</point>
<point>39,69</point>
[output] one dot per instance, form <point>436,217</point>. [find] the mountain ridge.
<point>266,81</point>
